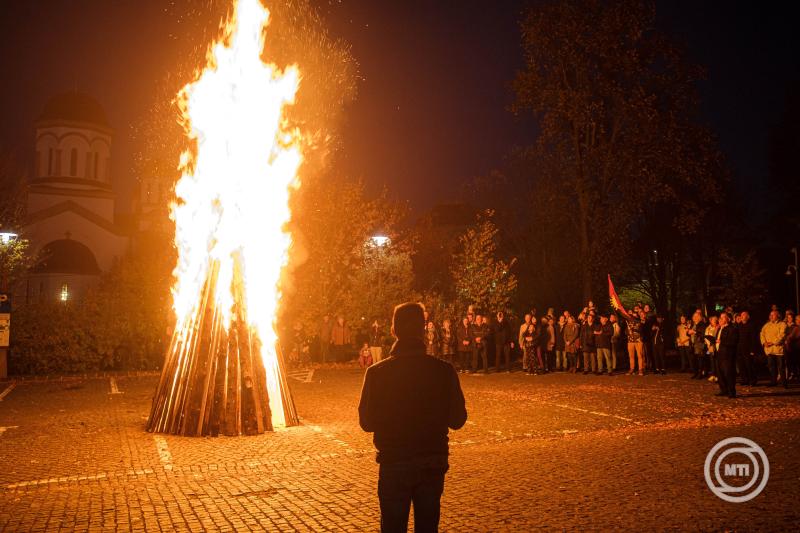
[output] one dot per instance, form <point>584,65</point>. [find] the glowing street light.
<point>379,241</point>
<point>7,236</point>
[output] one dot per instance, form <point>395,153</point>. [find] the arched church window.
<point>50,162</point>
<point>58,162</point>
<point>96,160</point>
<point>73,162</point>
<point>88,170</point>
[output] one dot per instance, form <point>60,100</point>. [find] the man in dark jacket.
<point>503,342</point>
<point>479,332</point>
<point>588,344</point>
<point>726,344</point>
<point>464,344</point>
<point>746,349</point>
<point>409,401</point>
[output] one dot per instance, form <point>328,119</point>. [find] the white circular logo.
<point>753,470</point>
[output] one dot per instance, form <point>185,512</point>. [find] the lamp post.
<point>378,243</point>
<point>793,269</point>
<point>6,237</point>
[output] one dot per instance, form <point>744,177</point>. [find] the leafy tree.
<point>480,277</point>
<point>14,255</point>
<point>384,280</point>
<point>741,279</point>
<point>122,323</point>
<point>616,106</point>
<point>331,233</point>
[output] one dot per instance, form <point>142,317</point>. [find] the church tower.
<point>71,206</point>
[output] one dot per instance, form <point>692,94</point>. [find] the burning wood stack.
<point>224,373</point>
<point>214,381</point>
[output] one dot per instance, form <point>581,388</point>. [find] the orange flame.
<point>233,195</point>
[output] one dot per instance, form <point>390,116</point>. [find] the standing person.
<point>603,340</point>
<point>478,333</point>
<point>522,329</point>
<point>447,342</point>
<point>561,354</point>
<point>365,356</point>
<point>325,338</point>
<point>792,347</point>
<point>711,347</point>
<point>649,321</point>
<point>588,344</point>
<point>616,340</point>
<point>696,333</point>
<point>725,348</point>
<point>409,401</point>
<point>529,360</point>
<point>772,336</point>
<point>340,339</point>
<point>529,347</point>
<point>635,344</point>
<point>746,349</point>
<point>431,339</point>
<point>503,342</point>
<point>682,341</point>
<point>464,342</point>
<point>659,366</point>
<point>543,337</point>
<point>376,339</point>
<point>551,343</point>
<point>571,334</point>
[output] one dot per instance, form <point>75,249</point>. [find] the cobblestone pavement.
<point>538,452</point>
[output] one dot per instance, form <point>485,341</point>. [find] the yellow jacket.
<point>773,333</point>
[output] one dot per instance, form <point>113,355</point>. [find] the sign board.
<point>5,329</point>
<point>5,319</point>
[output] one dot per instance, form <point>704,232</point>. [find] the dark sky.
<point>431,111</point>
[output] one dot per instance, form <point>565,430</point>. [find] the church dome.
<point>66,256</point>
<point>75,107</point>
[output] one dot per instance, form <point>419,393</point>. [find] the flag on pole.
<point>616,303</point>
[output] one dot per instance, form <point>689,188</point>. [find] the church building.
<point>71,223</point>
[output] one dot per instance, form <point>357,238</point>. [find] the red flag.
<point>616,303</point>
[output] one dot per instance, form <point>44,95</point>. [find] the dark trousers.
<point>480,350</point>
<point>687,361</point>
<point>400,485</point>
<point>464,358</point>
<point>726,373</point>
<point>747,367</point>
<point>505,351</point>
<point>658,356</point>
<point>775,363</point>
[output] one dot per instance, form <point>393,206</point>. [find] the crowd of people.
<point>724,348</point>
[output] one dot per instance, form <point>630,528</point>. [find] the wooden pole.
<point>214,380</point>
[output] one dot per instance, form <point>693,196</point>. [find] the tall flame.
<point>233,195</point>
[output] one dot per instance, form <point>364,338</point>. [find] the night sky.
<point>432,106</point>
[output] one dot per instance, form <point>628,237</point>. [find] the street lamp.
<point>793,269</point>
<point>379,241</point>
<point>7,236</point>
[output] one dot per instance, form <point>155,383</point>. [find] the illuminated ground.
<point>556,451</point>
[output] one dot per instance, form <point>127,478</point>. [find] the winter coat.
<point>559,331</point>
<point>431,342</point>
<point>571,333</point>
<point>697,341</point>
<point>340,335</point>
<point>775,333</point>
<point>502,332</point>
<point>463,333</point>
<point>447,342</point>
<point>587,336</point>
